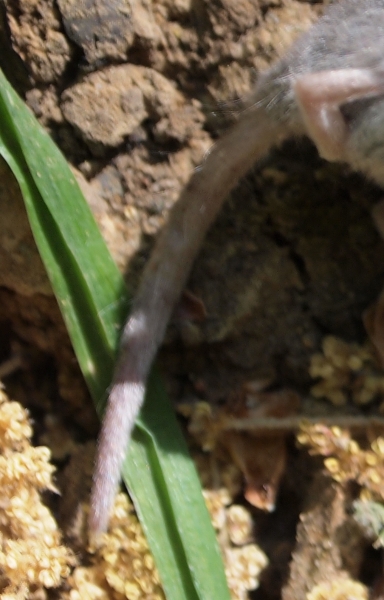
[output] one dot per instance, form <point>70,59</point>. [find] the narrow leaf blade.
<point>93,299</point>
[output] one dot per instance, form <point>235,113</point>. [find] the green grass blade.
<point>93,299</point>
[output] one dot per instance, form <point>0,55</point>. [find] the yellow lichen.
<point>122,565</point>
<point>87,583</point>
<point>346,372</point>
<point>339,589</point>
<point>217,502</point>
<point>345,459</point>
<point>239,524</point>
<point>243,567</point>
<point>243,561</point>
<point>15,429</point>
<point>31,553</point>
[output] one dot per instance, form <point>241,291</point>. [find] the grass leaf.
<point>93,299</point>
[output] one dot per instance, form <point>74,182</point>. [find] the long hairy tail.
<point>162,283</point>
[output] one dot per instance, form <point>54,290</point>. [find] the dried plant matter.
<point>244,560</point>
<point>346,372</point>
<point>32,556</point>
<point>122,566</point>
<point>340,589</point>
<point>346,460</point>
<point>31,553</point>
